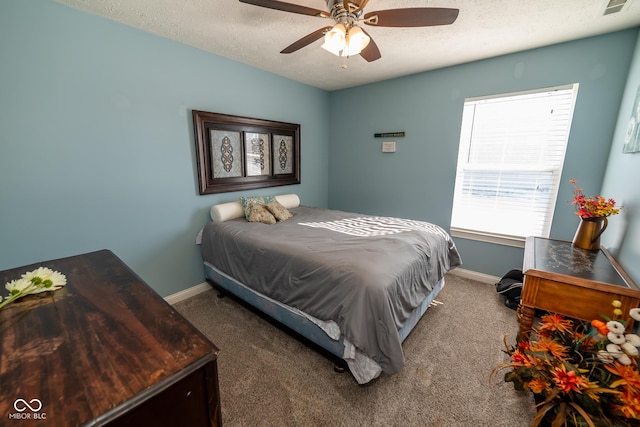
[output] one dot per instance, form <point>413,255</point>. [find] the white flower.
<point>629,349</point>
<point>633,339</point>
<point>54,282</point>
<point>615,327</point>
<point>616,338</point>
<point>39,280</point>
<point>42,272</point>
<point>635,313</point>
<point>624,359</point>
<point>46,279</point>
<point>18,286</point>
<point>605,356</point>
<point>614,350</point>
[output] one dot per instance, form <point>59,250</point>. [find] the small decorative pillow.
<point>260,213</point>
<point>280,212</point>
<point>247,202</point>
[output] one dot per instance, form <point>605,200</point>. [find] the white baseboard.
<point>187,293</point>
<point>474,275</point>
<point>203,287</point>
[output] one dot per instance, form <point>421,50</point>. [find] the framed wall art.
<point>632,137</point>
<point>239,153</point>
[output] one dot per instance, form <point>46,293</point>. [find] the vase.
<point>588,233</point>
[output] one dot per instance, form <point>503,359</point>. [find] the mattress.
<point>327,335</point>
<point>366,274</point>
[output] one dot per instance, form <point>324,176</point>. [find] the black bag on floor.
<point>510,286</point>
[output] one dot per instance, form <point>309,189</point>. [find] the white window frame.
<point>466,142</point>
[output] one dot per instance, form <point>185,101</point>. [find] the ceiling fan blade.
<point>288,7</point>
<point>371,52</point>
<point>411,17</point>
<point>306,40</point>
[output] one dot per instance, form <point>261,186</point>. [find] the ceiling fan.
<point>346,37</point>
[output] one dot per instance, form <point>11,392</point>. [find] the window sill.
<point>498,239</point>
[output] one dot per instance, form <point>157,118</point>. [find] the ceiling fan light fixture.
<point>335,39</point>
<point>345,42</point>
<point>356,40</point>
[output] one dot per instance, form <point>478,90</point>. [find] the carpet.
<point>269,378</point>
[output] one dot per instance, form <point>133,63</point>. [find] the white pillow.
<point>233,210</point>
<point>288,200</point>
<point>226,211</point>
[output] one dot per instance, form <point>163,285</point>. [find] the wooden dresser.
<point>104,350</point>
<point>574,282</point>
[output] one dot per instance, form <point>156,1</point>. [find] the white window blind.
<point>510,159</point>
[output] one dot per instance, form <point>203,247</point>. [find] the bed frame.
<point>298,323</point>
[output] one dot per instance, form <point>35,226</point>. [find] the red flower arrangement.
<point>591,207</point>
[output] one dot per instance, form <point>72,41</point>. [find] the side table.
<point>574,282</point>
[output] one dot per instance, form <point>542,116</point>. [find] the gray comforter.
<point>365,273</point>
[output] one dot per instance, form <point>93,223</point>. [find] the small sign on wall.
<point>388,134</point>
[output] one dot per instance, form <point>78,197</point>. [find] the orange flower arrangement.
<point>591,207</point>
<point>581,373</point>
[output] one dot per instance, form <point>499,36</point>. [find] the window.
<point>512,148</point>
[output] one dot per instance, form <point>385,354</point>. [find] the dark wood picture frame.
<point>240,153</point>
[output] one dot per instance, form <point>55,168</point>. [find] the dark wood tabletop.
<point>573,282</point>
<point>562,257</point>
<point>96,349</point>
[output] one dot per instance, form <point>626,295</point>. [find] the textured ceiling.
<point>255,35</point>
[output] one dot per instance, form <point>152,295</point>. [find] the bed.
<point>353,284</point>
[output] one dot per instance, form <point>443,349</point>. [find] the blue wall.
<point>621,182</point>
<point>418,180</point>
<point>97,146</point>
